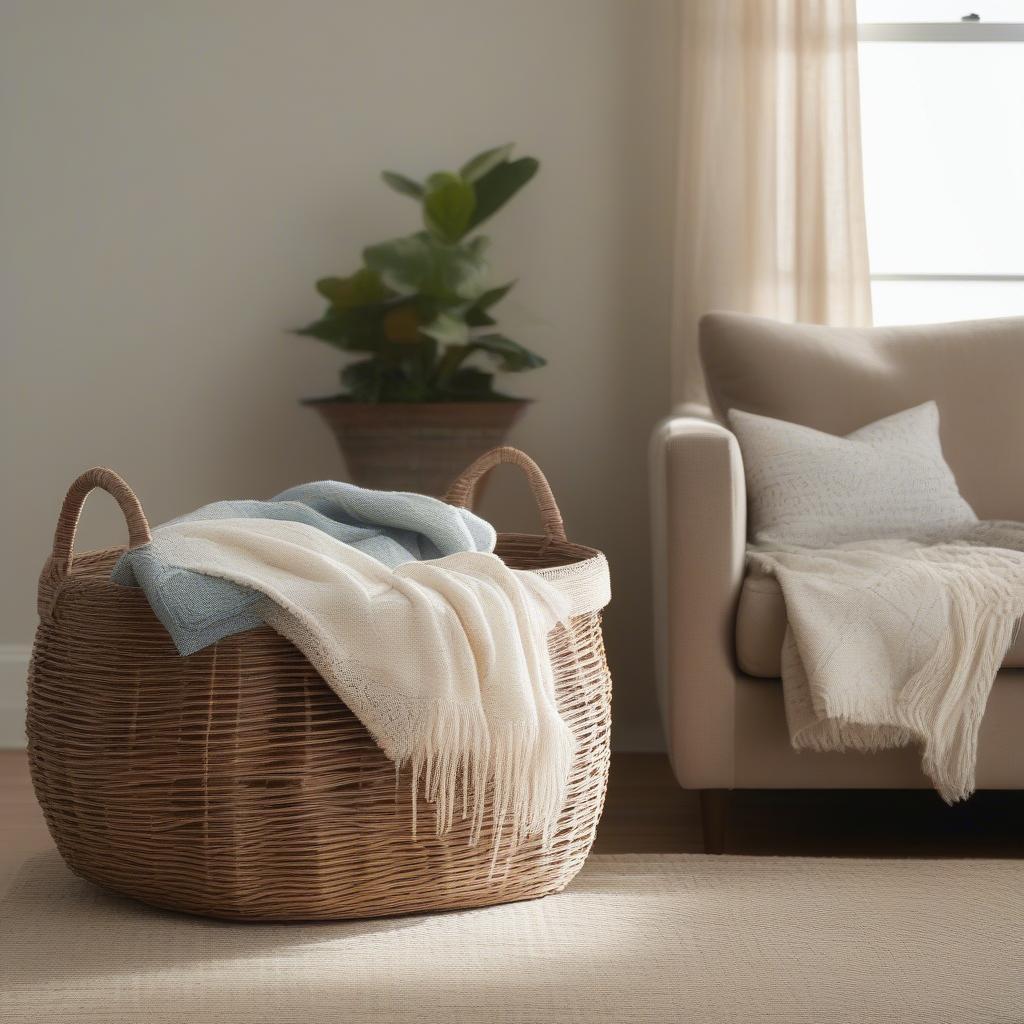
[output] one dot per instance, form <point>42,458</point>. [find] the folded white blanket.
<point>444,661</point>
<point>895,641</point>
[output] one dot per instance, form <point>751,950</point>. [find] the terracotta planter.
<point>408,446</point>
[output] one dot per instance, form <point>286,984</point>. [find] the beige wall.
<point>176,173</point>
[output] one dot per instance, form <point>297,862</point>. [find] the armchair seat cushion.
<point>761,627</point>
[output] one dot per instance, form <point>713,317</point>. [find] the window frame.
<point>942,32</point>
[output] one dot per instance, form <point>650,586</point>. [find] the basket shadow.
<point>109,957</point>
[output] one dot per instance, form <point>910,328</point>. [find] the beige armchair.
<point>718,629</point>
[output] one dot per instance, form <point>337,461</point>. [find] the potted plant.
<point>416,318</point>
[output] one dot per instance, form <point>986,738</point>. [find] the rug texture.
<point>634,938</point>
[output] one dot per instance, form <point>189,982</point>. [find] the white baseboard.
<point>13,675</point>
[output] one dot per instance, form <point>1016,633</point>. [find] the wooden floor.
<point>646,812</point>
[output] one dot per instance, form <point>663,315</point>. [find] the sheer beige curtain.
<point>770,211</point>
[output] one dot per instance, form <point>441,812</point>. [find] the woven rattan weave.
<point>234,783</point>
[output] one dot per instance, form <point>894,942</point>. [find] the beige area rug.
<point>635,938</point>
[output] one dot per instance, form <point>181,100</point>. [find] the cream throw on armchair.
<point>896,641</point>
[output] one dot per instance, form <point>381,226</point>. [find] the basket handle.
<point>67,524</point>
<point>460,493</point>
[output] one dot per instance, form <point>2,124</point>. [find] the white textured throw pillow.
<point>888,479</point>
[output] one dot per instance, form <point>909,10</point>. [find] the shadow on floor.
<point>647,812</point>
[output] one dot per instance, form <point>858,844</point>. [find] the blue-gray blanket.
<point>391,526</point>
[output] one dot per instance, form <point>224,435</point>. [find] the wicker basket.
<point>235,784</point>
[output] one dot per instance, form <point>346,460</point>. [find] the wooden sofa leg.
<point>714,809</point>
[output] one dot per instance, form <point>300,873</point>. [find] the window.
<point>942,116</point>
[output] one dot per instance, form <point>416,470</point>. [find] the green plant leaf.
<point>423,364</point>
<point>421,265</point>
<point>499,185</point>
<point>380,380</point>
<point>328,328</point>
<point>447,330</point>
<point>448,206</point>
<point>478,246</point>
<point>353,330</point>
<point>363,288</point>
<point>440,178</point>
<point>513,356</point>
<point>368,289</point>
<point>331,288</point>
<point>401,324</point>
<point>477,316</point>
<point>494,295</point>
<point>400,183</point>
<point>450,362</point>
<point>469,383</point>
<point>415,305</point>
<point>475,168</point>
<point>364,380</point>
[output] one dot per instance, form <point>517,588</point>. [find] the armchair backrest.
<point>840,378</point>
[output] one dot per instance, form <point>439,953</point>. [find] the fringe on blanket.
<point>463,767</point>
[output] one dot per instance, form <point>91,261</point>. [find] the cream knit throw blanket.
<point>445,662</point>
<point>891,642</point>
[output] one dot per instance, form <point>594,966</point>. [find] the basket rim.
<point>82,574</point>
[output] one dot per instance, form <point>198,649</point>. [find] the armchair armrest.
<point>698,503</point>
